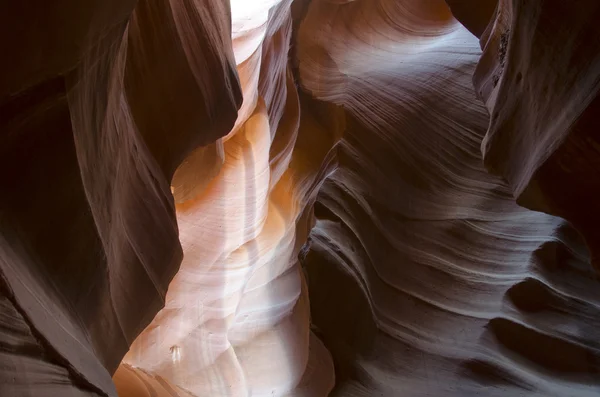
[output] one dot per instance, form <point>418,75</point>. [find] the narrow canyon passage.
<point>300,198</point>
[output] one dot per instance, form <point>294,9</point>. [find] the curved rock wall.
<point>236,317</point>
<point>299,198</point>
<point>449,287</point>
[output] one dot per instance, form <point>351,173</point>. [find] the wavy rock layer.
<point>444,286</point>
<point>186,211</point>
<point>543,133</point>
<point>236,318</point>
<point>89,144</point>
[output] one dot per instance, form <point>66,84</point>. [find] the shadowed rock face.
<point>299,198</point>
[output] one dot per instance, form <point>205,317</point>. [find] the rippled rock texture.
<point>299,198</point>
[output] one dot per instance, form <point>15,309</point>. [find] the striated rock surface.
<point>543,134</point>
<point>236,318</point>
<point>299,198</point>
<point>439,264</point>
<point>88,232</point>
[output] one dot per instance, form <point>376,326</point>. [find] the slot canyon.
<point>300,198</point>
